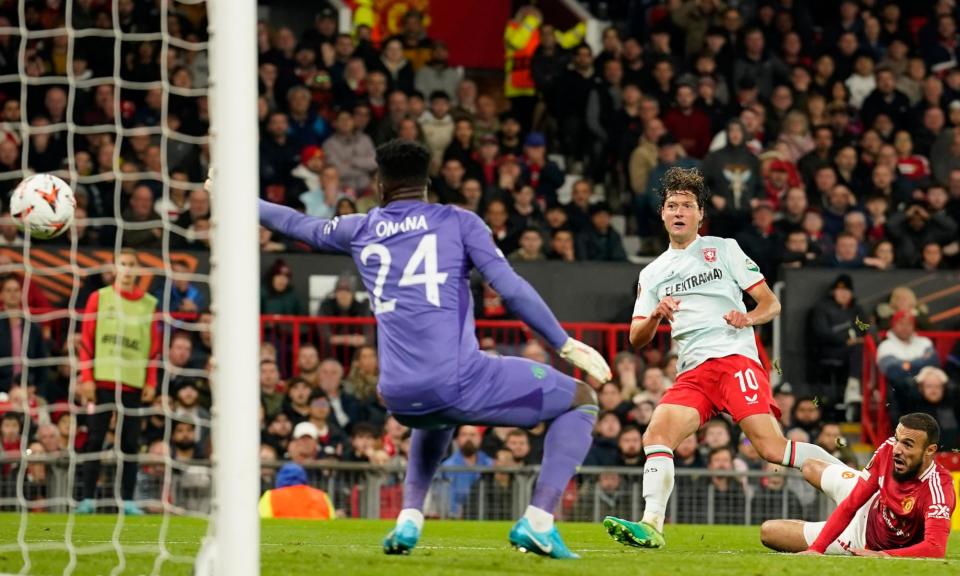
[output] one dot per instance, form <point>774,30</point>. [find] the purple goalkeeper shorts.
<point>502,391</point>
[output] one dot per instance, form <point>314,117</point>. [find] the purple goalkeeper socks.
<point>427,448</point>
<point>565,447</point>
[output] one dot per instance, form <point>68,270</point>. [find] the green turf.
<point>352,547</point>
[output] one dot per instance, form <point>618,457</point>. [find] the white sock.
<point>413,515</point>
<point>657,484</point>
<point>796,453</point>
<point>541,520</point>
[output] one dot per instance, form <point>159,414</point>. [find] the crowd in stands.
<point>829,136</point>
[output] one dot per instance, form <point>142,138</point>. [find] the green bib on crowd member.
<point>123,335</point>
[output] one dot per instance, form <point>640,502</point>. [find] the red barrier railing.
<point>874,413</point>
<point>340,338</point>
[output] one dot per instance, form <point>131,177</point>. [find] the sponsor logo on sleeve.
<point>941,511</point>
<point>752,266</point>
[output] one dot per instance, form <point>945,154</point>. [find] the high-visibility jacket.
<point>299,501</point>
<point>521,40</point>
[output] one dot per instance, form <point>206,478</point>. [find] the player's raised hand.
<point>587,359</point>
<point>737,319</point>
<point>666,308</point>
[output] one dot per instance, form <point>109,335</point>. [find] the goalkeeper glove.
<point>587,359</point>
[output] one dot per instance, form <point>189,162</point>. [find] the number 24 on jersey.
<point>425,257</point>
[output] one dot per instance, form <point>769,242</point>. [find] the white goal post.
<point>235,525</point>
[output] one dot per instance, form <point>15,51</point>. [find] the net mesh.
<point>131,80</point>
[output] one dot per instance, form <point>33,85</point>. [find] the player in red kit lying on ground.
<point>899,505</point>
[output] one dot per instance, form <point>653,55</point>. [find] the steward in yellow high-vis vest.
<point>292,498</point>
<point>521,39</point>
<point>120,338</point>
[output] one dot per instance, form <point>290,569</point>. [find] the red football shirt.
<point>910,518</point>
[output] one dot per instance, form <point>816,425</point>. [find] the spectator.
<point>330,435</point>
<point>543,174</point>
<point>496,494</point>
<point>141,211</point>
<point>462,147</point>
<point>277,295</point>
<point>932,392</point>
<point>630,446</point>
<point>437,75</point>
<point>150,476</point>
<point>185,296</point>
<point>278,154</point>
<point>524,212</point>
<point>277,432</point>
<point>602,103</point>
<point>728,494</point>
<point>733,175</point>
<point>437,126</point>
<point>394,63</point>
<point>517,442</point>
<point>830,438</point>
<point>345,407</point>
<point>669,155</point>
<point>644,156</point>
<point>306,128</point>
<point>351,153</point>
<point>604,451</point>
<point>846,255</point>
<point>21,341</point>
<point>562,246</point>
<point>689,125</point>
<point>607,496</point>
<point>270,387</point>
<point>757,64</point>
<point>834,338</point>
<point>531,247</point>
<point>914,228</point>
<point>768,501</point>
<point>364,374</point>
<point>467,453</point>
<point>317,200</point>
<point>600,241</point>
<point>296,404</point>
<point>902,355</point>
<point>497,219</point>
<point>944,154</point>
<point>303,443</point>
<point>760,241</point>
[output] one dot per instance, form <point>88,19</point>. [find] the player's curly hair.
<point>689,180</point>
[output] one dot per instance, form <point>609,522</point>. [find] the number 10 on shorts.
<point>747,379</point>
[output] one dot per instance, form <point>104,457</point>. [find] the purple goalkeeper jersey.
<point>415,261</point>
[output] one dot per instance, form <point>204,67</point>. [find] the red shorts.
<point>733,384</point>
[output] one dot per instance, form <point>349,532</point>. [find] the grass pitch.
<point>352,547</point>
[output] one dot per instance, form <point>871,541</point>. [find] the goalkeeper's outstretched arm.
<point>328,235</point>
<point>524,301</point>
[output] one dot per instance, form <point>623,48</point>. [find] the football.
<point>43,205</point>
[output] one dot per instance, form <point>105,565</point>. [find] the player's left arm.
<point>768,308</point>
<point>746,274</point>
<point>328,235</point>
<point>523,300</point>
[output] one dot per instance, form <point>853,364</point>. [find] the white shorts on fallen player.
<point>837,483</point>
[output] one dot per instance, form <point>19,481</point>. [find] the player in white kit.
<point>697,285</point>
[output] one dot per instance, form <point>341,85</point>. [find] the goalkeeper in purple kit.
<point>415,260</point>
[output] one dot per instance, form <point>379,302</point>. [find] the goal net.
<point>121,452</point>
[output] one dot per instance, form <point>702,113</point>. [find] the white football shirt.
<point>708,277</point>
